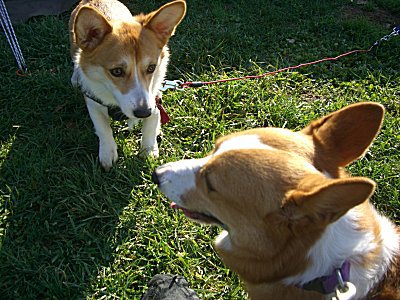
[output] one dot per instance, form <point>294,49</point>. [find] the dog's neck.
<point>370,251</point>
<point>362,237</point>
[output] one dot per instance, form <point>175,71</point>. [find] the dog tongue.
<point>187,213</point>
<point>200,217</point>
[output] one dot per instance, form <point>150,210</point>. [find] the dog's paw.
<point>149,152</point>
<point>108,155</point>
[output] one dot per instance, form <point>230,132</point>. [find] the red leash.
<point>179,85</point>
<point>201,83</point>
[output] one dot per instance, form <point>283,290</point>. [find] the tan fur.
<point>117,35</point>
<point>276,202</point>
<point>322,145</point>
<point>339,139</point>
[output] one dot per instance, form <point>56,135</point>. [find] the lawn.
<point>69,230</point>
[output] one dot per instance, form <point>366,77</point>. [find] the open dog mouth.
<point>198,216</point>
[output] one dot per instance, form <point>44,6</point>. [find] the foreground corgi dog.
<point>120,61</point>
<point>293,220</point>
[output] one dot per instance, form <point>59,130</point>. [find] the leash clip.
<point>396,30</point>
<point>345,290</point>
<point>171,84</point>
<point>347,294</point>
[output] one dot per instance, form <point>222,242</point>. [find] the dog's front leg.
<point>150,130</point>
<point>107,147</point>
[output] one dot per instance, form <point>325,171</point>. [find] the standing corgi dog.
<point>120,61</point>
<point>295,223</point>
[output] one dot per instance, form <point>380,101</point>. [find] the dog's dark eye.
<point>151,68</point>
<point>210,188</point>
<point>117,72</point>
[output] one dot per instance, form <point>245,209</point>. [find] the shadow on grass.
<point>59,209</point>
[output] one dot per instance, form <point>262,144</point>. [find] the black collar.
<point>114,111</point>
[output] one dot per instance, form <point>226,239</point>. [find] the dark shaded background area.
<point>22,10</point>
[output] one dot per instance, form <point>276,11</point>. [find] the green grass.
<point>68,230</point>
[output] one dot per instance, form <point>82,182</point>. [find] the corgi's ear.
<point>345,135</point>
<point>164,20</point>
<point>90,28</point>
<point>322,201</point>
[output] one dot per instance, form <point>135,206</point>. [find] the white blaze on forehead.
<point>136,97</point>
<point>176,178</point>
<point>137,83</point>
<point>251,142</point>
<point>242,142</point>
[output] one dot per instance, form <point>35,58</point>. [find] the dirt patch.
<point>380,16</point>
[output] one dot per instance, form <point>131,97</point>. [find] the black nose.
<point>142,113</point>
<point>154,177</point>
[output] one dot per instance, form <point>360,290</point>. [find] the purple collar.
<point>328,284</point>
